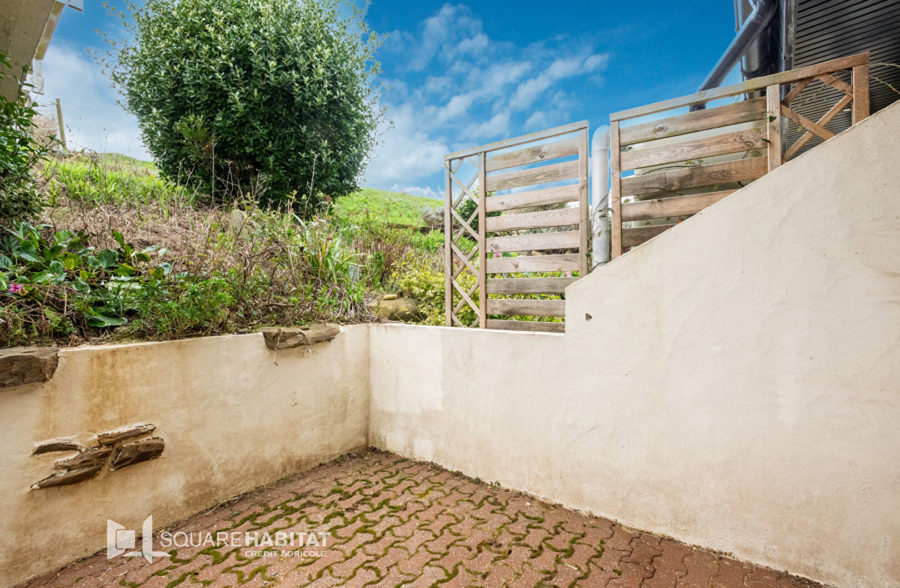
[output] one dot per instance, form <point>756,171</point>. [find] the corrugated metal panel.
<point>828,29</point>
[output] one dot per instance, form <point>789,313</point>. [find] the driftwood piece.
<point>57,444</point>
<point>113,436</point>
<point>93,456</point>
<point>135,452</point>
<point>68,477</point>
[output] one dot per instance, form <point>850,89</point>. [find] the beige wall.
<point>21,25</point>
<point>738,386</point>
<point>234,416</point>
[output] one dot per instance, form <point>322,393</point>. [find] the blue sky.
<point>457,74</point>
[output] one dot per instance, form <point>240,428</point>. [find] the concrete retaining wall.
<point>233,415</point>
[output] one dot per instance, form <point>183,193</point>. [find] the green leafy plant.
<point>54,284</point>
<point>269,97</point>
<point>19,198</point>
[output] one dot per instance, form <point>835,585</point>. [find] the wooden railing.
<point>494,229</point>
<point>687,162</point>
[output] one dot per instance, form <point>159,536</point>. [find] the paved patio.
<point>394,522</point>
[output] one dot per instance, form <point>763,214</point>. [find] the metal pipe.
<point>756,22</point>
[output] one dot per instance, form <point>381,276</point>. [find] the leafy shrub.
<point>56,285</point>
<point>269,96</point>
<point>18,153</point>
<point>422,277</point>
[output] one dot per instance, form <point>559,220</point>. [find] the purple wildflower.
<point>15,288</point>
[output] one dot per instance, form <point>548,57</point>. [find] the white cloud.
<point>529,91</point>
<point>406,153</point>
<point>93,118</point>
<point>426,191</point>
<point>497,125</point>
<point>451,32</point>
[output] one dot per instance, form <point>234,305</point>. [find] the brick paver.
<point>394,522</point>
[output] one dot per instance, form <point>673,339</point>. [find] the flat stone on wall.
<point>24,365</point>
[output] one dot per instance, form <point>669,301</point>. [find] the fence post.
<point>448,252</point>
<point>615,192</point>
<point>482,240</point>
<point>584,226</point>
<point>62,126</point>
<point>773,124</point>
<point>860,81</point>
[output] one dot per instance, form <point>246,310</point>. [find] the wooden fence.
<point>503,241</point>
<point>687,162</point>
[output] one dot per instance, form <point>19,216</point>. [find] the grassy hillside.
<point>124,161</point>
<point>388,207</point>
<point>381,205</point>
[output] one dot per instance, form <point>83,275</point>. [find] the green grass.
<point>126,182</point>
<point>384,206</point>
<point>125,162</point>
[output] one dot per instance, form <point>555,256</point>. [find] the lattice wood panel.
<point>687,162</point>
<point>516,231</point>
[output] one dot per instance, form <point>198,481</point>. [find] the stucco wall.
<point>21,26</point>
<point>737,387</point>
<point>477,401</point>
<point>233,414</point>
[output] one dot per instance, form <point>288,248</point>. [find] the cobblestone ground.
<point>394,522</point>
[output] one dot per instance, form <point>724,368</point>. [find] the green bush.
<point>271,97</point>
<point>18,153</point>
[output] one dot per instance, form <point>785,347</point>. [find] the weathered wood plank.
<point>534,241</point>
<point>773,125</point>
<point>701,120</point>
<point>809,125</point>
<point>836,83</point>
<point>860,80</point>
<point>794,92</point>
<point>734,142</point>
<point>786,77</point>
<point>537,153</point>
<point>482,236</point>
<point>448,240</point>
<point>527,307</point>
<point>531,198</point>
<point>566,262</point>
<point>584,226</point>
<point>533,326</point>
<point>533,220</point>
<point>683,178</point>
<point>528,285</point>
<point>533,176</point>
<point>808,135</point>
<point>615,190</point>
<point>636,236</point>
<point>521,140</point>
<point>675,206</point>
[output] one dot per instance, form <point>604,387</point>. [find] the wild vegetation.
<point>122,253</point>
<point>18,152</point>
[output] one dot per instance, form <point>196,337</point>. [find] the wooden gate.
<point>511,251</point>
<point>687,162</point>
